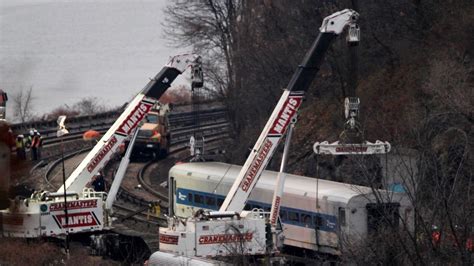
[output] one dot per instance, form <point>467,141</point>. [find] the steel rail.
<point>184,122</point>
<point>162,196</point>
<point>178,139</point>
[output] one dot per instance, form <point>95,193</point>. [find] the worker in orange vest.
<point>39,145</point>
<point>435,236</point>
<point>35,142</point>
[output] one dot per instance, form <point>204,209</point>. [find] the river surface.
<point>67,50</point>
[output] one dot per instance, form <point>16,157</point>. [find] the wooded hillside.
<point>413,72</point>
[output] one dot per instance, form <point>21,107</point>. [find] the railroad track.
<point>179,141</point>
<point>180,122</point>
<point>215,129</point>
<point>180,126</point>
<point>213,122</point>
<point>148,194</point>
<point>102,122</point>
<point>144,181</point>
<point>122,210</point>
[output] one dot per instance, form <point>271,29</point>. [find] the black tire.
<point>163,153</point>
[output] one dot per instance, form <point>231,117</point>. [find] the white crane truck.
<point>231,230</point>
<point>46,213</point>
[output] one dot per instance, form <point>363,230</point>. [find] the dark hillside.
<point>414,74</point>
<point>413,63</point>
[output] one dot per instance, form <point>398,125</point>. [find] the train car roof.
<point>294,184</point>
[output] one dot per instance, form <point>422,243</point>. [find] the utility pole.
<point>197,140</point>
<point>61,132</point>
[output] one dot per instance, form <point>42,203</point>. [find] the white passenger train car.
<point>340,211</point>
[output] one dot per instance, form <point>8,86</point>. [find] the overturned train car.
<point>315,214</point>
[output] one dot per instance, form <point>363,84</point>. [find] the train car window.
<point>211,201</point>
<point>342,216</point>
<point>247,207</point>
<point>199,199</point>
<point>293,216</point>
<point>283,215</point>
<point>306,219</point>
<point>219,202</point>
<point>152,119</point>
<point>318,221</point>
<point>190,197</point>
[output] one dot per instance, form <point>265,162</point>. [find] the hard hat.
<point>32,133</point>
<point>21,136</point>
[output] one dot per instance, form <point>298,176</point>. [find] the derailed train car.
<point>316,214</point>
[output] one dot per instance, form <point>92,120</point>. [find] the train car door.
<point>171,195</point>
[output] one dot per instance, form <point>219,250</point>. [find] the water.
<point>69,50</point>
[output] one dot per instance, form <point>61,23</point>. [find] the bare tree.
<point>437,177</point>
<point>23,105</point>
<point>176,95</point>
<point>209,27</point>
<point>438,228</point>
<point>61,110</point>
<point>89,106</point>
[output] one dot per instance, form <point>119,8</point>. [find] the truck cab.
<point>153,137</point>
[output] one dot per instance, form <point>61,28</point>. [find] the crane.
<point>211,233</point>
<point>46,214</point>
<point>129,120</point>
<point>288,106</point>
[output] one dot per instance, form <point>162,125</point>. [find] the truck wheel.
<point>163,153</point>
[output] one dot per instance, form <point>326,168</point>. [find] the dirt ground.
<point>42,252</point>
